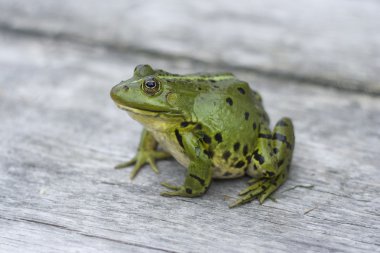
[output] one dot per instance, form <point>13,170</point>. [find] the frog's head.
<point>150,93</point>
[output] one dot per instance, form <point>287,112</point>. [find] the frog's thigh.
<point>283,144</point>
<point>199,172</point>
<point>264,161</point>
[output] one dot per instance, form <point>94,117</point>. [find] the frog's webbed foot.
<point>260,189</point>
<point>144,157</point>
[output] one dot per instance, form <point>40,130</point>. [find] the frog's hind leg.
<point>272,172</point>
<point>283,146</point>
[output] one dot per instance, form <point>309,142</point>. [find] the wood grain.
<point>61,135</point>
<point>330,43</point>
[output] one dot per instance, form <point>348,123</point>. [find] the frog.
<point>213,124</point>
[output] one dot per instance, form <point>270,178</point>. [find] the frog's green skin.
<point>213,124</point>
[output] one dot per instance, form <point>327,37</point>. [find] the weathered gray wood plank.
<point>334,43</point>
<point>60,136</point>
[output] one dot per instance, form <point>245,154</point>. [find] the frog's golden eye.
<point>151,86</point>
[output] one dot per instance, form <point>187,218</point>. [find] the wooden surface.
<point>61,135</point>
<point>330,43</point>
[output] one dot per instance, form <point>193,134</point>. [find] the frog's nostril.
<point>125,87</point>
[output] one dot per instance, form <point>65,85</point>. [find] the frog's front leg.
<point>147,153</point>
<point>199,173</point>
<point>271,162</point>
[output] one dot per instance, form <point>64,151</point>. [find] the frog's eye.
<point>151,86</point>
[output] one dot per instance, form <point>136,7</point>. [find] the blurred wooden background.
<point>315,61</point>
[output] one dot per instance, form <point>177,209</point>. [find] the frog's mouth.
<point>150,113</point>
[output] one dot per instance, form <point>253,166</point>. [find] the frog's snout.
<point>117,91</point>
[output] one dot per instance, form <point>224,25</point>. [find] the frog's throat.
<point>146,113</point>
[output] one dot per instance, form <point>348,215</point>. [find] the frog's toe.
<point>170,186</point>
<point>153,165</point>
<point>171,194</point>
<point>265,194</point>
<point>253,181</point>
<point>251,188</point>
<point>245,199</point>
<point>138,165</point>
<point>181,191</point>
<point>126,164</point>
<point>139,160</point>
<point>177,191</point>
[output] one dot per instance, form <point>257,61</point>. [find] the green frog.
<point>212,124</point>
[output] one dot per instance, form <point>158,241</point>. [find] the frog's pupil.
<point>150,84</point>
